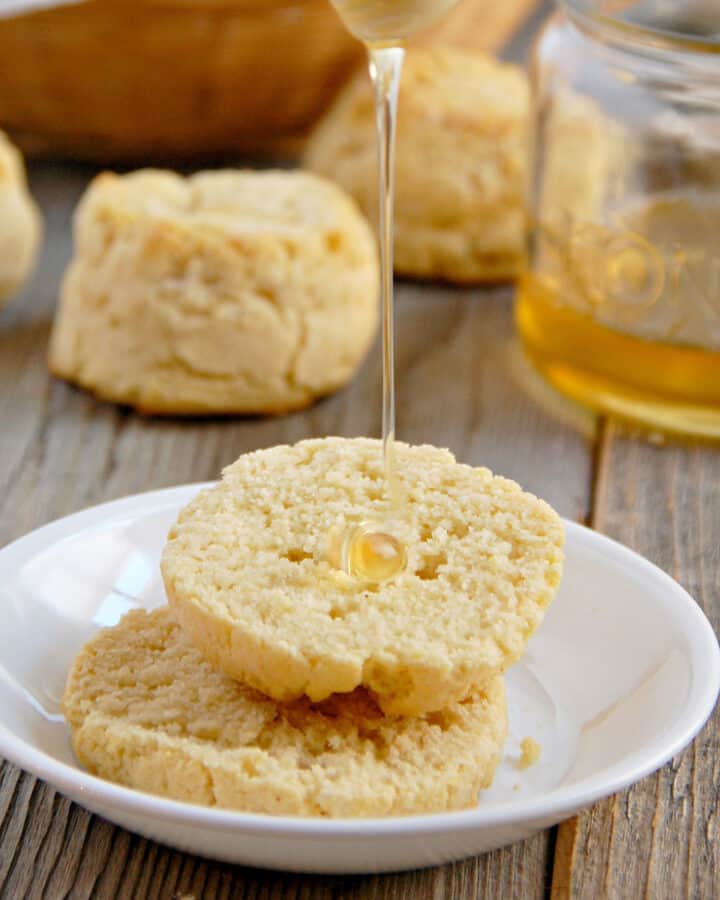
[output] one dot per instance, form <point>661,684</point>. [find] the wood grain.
<point>660,838</point>
<point>461,383</point>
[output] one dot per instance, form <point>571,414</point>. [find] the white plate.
<point>621,676</point>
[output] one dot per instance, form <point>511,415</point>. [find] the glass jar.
<point>620,305</point>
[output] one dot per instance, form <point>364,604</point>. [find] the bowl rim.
<point>553,805</point>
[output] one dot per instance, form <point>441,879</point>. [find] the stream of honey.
<point>368,550</point>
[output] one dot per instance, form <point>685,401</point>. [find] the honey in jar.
<point>620,305</point>
<point>626,316</point>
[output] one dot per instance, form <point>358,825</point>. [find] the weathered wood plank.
<point>660,838</point>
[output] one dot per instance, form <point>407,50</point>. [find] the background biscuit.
<point>461,163</point>
<point>19,222</point>
<point>225,292</point>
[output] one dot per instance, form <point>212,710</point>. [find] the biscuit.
<point>586,160</point>
<point>247,571</point>
<point>224,292</point>
<point>147,711</point>
<point>19,222</point>
<point>461,163</point>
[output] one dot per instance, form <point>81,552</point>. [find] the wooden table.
<point>462,383</point>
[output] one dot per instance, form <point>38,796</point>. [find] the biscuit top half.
<point>247,567</point>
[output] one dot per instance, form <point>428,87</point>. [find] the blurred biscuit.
<point>224,292</point>
<point>461,163</point>
<point>20,226</point>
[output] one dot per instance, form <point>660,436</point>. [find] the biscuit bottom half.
<point>148,711</point>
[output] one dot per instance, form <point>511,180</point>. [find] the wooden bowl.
<point>114,80</point>
<point>143,80</point>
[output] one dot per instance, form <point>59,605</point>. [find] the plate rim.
<point>554,804</point>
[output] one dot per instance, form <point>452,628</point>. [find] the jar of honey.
<point>620,304</point>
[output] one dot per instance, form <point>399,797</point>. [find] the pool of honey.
<point>626,317</point>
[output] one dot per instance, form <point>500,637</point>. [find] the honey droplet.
<point>366,552</point>
<point>375,556</point>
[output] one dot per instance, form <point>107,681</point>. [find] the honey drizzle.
<point>385,68</point>
<point>368,551</point>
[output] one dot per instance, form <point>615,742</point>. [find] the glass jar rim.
<point>607,15</point>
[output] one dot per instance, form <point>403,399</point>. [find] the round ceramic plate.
<point>621,676</point>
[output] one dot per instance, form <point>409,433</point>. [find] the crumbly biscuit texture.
<point>148,711</point>
<point>461,163</point>
<point>224,292</point>
<point>530,752</point>
<point>248,568</point>
<point>19,222</point>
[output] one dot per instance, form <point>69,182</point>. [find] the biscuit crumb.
<point>530,752</point>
